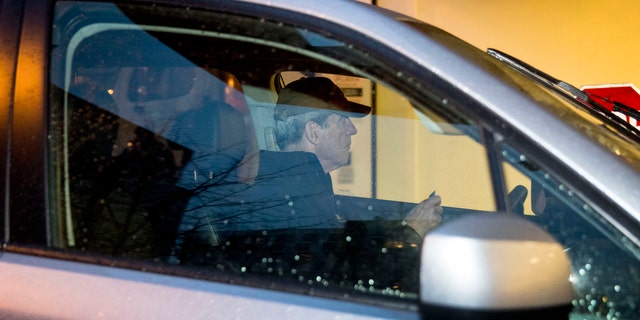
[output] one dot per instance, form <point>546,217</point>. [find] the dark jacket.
<point>289,216</point>
<point>291,191</point>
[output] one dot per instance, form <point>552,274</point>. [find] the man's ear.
<point>312,132</point>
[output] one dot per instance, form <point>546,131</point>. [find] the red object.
<point>606,95</point>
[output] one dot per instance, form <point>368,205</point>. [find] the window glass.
<point>604,262</point>
<point>172,142</point>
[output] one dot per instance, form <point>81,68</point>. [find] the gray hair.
<point>290,130</point>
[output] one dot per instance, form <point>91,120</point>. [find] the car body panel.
<point>27,158</point>
<point>9,18</point>
<point>114,293</point>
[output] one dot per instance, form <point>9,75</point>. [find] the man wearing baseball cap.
<point>313,115</point>
<point>290,213</point>
<point>293,188</point>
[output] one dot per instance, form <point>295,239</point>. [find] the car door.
<point>82,235</point>
<point>78,245</point>
<point>135,141</point>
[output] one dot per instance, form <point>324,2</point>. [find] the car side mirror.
<point>493,266</point>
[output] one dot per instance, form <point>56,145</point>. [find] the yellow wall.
<point>582,42</point>
<point>586,42</point>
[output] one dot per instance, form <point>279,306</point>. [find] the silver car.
<point>132,133</point>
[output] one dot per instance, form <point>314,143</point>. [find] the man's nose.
<point>351,128</point>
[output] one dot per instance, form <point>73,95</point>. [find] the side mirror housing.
<point>494,266</point>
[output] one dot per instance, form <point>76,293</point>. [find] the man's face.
<point>335,142</point>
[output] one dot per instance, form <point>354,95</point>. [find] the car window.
<point>604,262</point>
<point>165,147</point>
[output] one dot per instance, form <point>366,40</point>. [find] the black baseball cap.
<point>310,94</point>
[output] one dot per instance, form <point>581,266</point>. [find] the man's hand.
<point>425,216</point>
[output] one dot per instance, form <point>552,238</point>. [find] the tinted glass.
<point>167,147</point>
